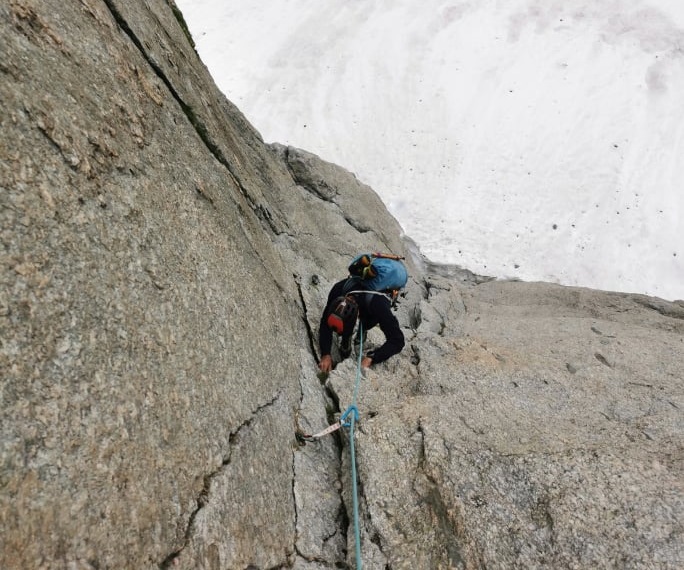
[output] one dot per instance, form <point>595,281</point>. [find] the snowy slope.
<point>542,140</point>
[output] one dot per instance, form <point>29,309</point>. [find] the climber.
<point>345,304</point>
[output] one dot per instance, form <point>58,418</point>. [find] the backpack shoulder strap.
<point>353,284</point>
<point>356,287</point>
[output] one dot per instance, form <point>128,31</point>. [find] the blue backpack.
<point>382,272</point>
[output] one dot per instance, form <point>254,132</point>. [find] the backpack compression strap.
<point>379,255</point>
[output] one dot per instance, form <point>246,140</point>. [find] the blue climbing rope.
<point>353,412</point>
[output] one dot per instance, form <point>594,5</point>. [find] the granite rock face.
<point>539,427</point>
<point>163,273</point>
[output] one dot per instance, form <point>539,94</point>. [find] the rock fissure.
<point>415,356</point>
<point>318,188</point>
<point>313,559</point>
<point>294,503</point>
<point>415,317</point>
<point>311,335</point>
<point>200,128</point>
<point>182,23</point>
<point>246,423</point>
<point>203,497</point>
<point>429,489</point>
<point>358,226</point>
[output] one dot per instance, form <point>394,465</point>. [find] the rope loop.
<point>350,410</point>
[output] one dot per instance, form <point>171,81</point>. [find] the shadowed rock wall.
<point>163,272</point>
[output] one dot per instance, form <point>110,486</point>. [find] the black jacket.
<point>373,310</point>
